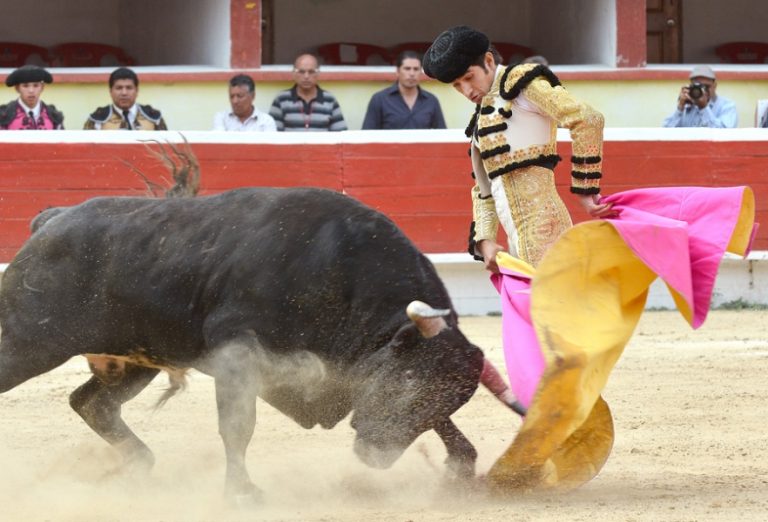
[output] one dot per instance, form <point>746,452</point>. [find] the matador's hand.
<point>488,249</point>
<point>591,203</point>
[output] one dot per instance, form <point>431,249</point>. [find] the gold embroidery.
<point>495,140</point>
<point>115,122</point>
<point>537,211</point>
<point>584,122</point>
<point>484,215</point>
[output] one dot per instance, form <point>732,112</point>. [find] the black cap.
<point>453,51</point>
<point>28,74</point>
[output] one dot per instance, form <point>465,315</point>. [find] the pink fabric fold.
<point>522,353</point>
<point>680,233</point>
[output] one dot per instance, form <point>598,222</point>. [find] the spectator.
<point>305,106</point>
<point>28,112</point>
<point>244,116</point>
<point>125,113</point>
<point>698,104</point>
<point>404,105</point>
<point>761,114</point>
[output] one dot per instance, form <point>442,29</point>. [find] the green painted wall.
<point>191,105</point>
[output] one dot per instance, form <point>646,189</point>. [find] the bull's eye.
<point>409,375</point>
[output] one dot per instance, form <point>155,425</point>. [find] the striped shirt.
<point>292,113</point>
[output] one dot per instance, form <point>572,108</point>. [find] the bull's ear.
<point>428,320</point>
<point>405,339</point>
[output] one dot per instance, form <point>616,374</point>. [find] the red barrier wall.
<point>423,187</point>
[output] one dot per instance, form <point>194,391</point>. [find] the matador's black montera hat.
<point>28,74</point>
<point>453,51</point>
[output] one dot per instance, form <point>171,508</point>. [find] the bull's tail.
<point>177,380</point>
<point>181,164</point>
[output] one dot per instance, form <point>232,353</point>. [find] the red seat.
<point>742,52</point>
<point>345,53</point>
<point>86,54</point>
<point>513,53</point>
<point>14,54</point>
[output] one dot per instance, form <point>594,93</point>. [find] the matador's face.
<point>476,82</point>
<point>30,92</point>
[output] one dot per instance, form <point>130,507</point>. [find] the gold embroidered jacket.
<point>107,118</point>
<point>515,127</point>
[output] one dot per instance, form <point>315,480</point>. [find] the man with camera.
<point>699,105</point>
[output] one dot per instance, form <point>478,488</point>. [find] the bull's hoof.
<point>459,470</point>
<point>139,462</point>
<point>454,489</point>
<point>247,499</point>
<point>460,480</point>
<point>133,469</point>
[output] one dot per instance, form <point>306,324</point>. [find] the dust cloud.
<point>689,409</point>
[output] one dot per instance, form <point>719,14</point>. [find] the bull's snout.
<point>375,456</point>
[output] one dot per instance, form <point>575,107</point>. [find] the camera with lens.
<point>696,90</point>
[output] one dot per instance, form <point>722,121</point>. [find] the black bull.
<point>298,296</point>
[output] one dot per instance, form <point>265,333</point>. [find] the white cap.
<point>703,71</point>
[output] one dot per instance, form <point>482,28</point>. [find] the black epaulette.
<point>57,117</point>
<point>153,113</point>
<point>7,113</point>
<point>101,114</point>
<point>522,82</point>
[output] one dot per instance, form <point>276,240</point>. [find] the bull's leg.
<point>462,455</point>
<point>100,407</point>
<point>236,389</point>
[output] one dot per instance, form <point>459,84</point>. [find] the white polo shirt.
<point>257,122</point>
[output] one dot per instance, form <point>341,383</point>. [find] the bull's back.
<point>295,265</point>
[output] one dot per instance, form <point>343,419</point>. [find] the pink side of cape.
<point>522,353</point>
<point>679,233</point>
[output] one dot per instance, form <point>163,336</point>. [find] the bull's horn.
<point>428,320</point>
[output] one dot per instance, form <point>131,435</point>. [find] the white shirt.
<point>35,110</point>
<point>132,113</point>
<point>257,122</point>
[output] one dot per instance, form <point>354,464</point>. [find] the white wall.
<point>707,23</point>
<point>177,32</point>
<point>301,25</point>
<point>50,22</point>
<point>575,32</point>
<point>600,37</point>
<point>744,280</point>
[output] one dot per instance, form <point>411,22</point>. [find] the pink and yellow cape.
<point>566,323</point>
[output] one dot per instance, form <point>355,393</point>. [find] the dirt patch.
<point>691,444</point>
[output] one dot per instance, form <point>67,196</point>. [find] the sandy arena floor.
<point>691,445</point>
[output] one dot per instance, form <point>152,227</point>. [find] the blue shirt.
<point>388,110</point>
<point>719,113</point>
